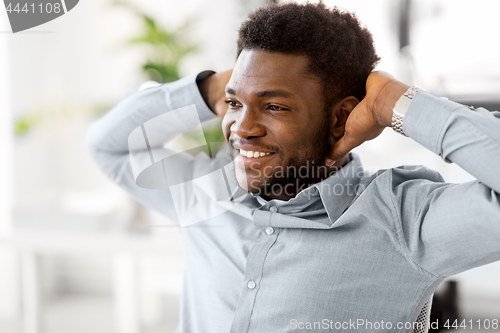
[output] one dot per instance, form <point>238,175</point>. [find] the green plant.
<point>165,50</point>
<point>43,114</point>
<point>165,47</point>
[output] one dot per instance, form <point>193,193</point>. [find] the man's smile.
<point>246,154</point>
<point>243,159</point>
<point>252,154</point>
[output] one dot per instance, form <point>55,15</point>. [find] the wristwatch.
<point>402,105</point>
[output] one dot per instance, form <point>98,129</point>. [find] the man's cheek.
<point>242,179</point>
<point>226,127</point>
<point>226,133</point>
<point>268,171</point>
<point>254,185</point>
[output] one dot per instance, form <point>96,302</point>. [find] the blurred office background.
<point>76,253</point>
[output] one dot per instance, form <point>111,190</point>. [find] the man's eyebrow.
<point>264,93</point>
<point>273,93</point>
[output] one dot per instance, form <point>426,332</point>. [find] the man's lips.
<point>249,154</point>
<point>245,161</point>
<point>251,151</point>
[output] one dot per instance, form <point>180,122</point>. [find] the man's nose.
<point>248,124</point>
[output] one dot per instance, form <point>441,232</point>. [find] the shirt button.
<point>251,284</point>
<point>269,230</point>
<point>273,209</point>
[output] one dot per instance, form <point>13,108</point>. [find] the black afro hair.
<point>340,50</point>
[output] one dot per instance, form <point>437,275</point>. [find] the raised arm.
<point>447,228</point>
<point>450,228</point>
<point>471,139</point>
<point>108,137</point>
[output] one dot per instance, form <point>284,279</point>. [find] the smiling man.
<point>290,94</point>
<point>271,100</point>
<point>291,234</point>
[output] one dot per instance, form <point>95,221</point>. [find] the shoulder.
<point>403,173</point>
<point>402,176</point>
<point>402,188</point>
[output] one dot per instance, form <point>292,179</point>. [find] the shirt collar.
<point>334,195</point>
<point>339,190</point>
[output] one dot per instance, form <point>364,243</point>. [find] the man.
<point>330,248</point>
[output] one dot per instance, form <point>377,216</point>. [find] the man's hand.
<point>212,89</point>
<point>369,118</point>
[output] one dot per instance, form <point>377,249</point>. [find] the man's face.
<point>277,111</point>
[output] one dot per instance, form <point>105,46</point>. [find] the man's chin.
<point>251,187</point>
<point>249,184</point>
<point>268,190</point>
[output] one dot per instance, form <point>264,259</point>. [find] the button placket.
<point>253,275</point>
<point>269,230</point>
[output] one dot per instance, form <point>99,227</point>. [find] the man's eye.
<point>232,104</point>
<point>277,108</point>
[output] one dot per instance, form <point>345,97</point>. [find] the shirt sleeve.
<point>471,139</point>
<point>449,228</point>
<point>109,137</point>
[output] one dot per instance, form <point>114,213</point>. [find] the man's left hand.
<point>369,118</point>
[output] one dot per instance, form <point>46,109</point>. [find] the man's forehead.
<point>257,63</point>
<point>262,70</point>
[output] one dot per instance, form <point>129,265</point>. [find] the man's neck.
<point>291,190</point>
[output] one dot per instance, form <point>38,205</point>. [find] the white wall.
<point>82,57</point>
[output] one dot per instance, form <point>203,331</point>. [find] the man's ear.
<point>341,111</point>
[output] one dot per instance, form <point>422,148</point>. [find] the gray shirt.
<point>354,252</point>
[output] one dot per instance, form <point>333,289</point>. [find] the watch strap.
<point>401,107</point>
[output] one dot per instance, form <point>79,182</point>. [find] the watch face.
<point>402,106</point>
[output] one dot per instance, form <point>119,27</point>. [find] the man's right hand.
<point>212,88</point>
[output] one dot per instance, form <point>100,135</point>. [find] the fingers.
<point>349,141</point>
<point>341,148</point>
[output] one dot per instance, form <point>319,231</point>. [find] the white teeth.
<point>252,154</point>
